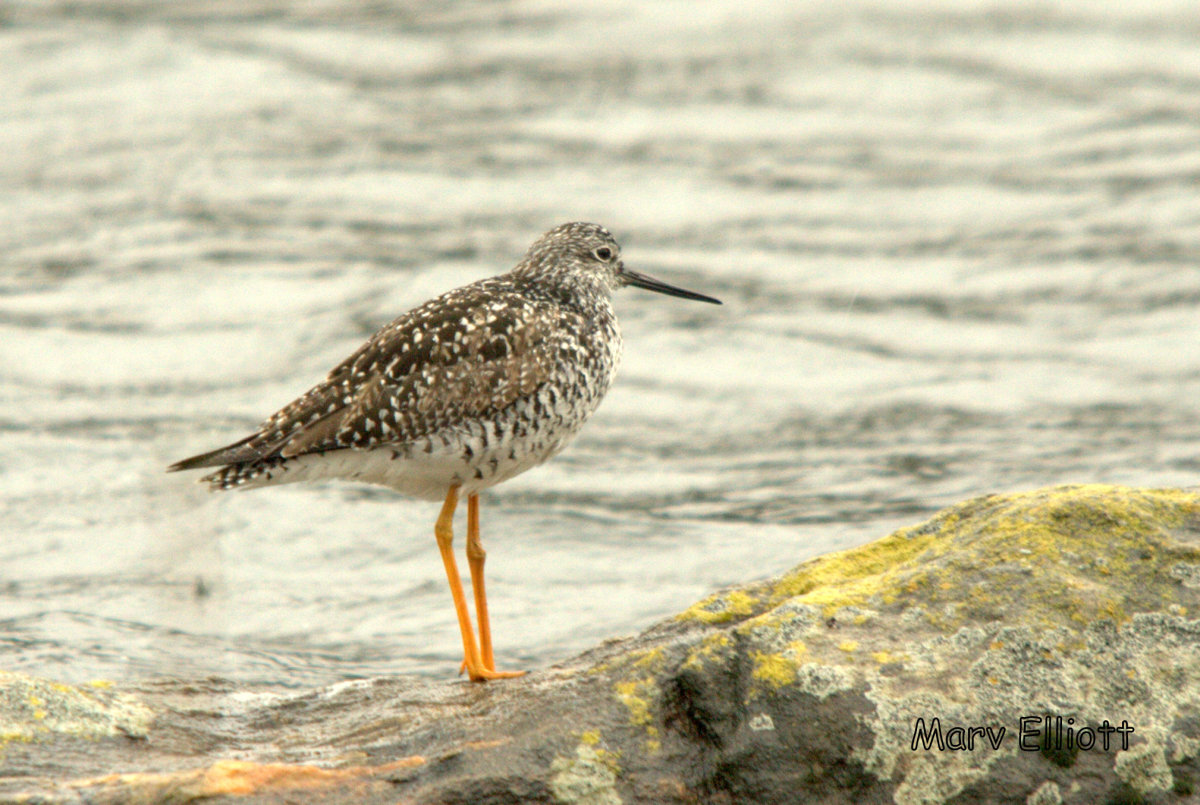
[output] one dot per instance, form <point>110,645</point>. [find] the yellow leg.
<point>475,557</point>
<point>444,530</point>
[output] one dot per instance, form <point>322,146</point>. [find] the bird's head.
<point>584,259</point>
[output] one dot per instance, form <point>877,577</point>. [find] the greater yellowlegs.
<point>459,394</point>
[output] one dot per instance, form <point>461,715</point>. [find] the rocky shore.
<point>1039,647</point>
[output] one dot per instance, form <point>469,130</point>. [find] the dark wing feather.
<point>469,371</point>
<point>230,454</point>
<point>318,404</point>
<point>464,355</point>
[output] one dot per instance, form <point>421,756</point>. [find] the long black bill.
<point>650,284</point>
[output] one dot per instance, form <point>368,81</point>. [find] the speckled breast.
<point>480,452</point>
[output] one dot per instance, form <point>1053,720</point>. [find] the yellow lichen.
<point>652,658</point>
<point>773,669</point>
<point>638,695</point>
<point>639,692</point>
<point>632,695</point>
<point>652,744</point>
<point>709,648</point>
<point>1043,532</point>
<point>778,669</point>
<point>43,708</point>
<point>1030,559</point>
<point>721,608</point>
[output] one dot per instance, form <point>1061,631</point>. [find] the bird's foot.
<point>482,674</point>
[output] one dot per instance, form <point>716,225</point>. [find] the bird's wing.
<point>468,364</point>
<point>462,356</point>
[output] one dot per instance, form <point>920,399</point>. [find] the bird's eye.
<point>603,254</point>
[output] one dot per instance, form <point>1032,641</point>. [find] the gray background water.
<point>957,243</point>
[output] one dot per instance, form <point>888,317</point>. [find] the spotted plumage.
<point>467,390</point>
<point>456,395</point>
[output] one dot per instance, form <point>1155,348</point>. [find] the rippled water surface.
<point>957,243</point>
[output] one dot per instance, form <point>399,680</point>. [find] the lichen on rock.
<point>33,709</point>
<point>1039,647</point>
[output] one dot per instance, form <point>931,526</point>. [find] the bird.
<point>457,395</point>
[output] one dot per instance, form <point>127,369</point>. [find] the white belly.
<point>473,455</point>
<point>426,469</point>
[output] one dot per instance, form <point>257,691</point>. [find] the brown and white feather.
<point>478,354</point>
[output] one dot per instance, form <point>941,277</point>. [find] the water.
<point>957,246</point>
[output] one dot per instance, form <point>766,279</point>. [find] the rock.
<point>1035,647</point>
<point>32,710</point>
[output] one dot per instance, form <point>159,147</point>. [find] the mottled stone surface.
<point>1076,603</point>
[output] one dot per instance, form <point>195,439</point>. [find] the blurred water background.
<point>957,244</point>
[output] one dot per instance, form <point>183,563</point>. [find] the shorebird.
<point>457,395</point>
